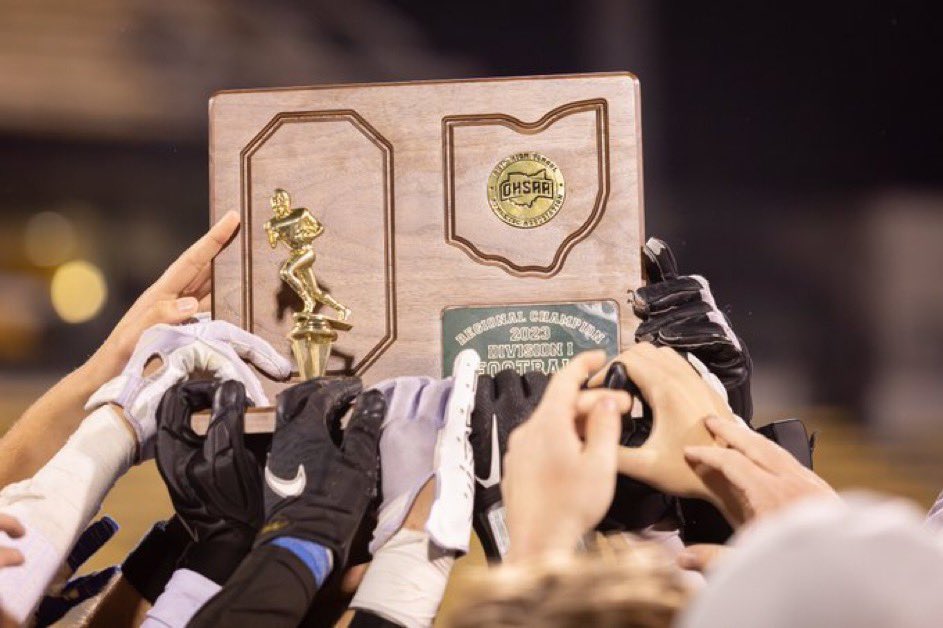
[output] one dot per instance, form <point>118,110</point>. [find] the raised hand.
<point>217,347</point>
<point>214,481</point>
<point>502,403</point>
<point>425,436</point>
<point>752,476</point>
<point>180,293</point>
<point>680,401</point>
<point>557,485</point>
<point>320,479</point>
<point>679,311</point>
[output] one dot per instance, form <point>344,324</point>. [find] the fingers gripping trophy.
<point>313,334</point>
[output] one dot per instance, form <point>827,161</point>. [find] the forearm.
<point>47,424</point>
<point>57,503</point>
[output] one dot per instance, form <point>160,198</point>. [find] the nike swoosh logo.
<point>286,488</point>
<point>494,474</point>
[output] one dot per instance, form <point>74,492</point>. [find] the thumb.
<point>700,557</point>
<point>603,430</point>
<point>658,261</point>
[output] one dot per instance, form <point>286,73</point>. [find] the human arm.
<point>680,311</point>
<point>316,493</point>
<point>680,400</point>
<point>425,518</point>
<point>752,477</point>
<point>557,485</point>
<point>60,499</point>
<point>214,482</point>
<point>144,575</point>
<point>502,403</point>
<point>181,292</point>
<point>65,592</point>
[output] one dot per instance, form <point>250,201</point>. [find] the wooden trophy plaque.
<point>503,215</point>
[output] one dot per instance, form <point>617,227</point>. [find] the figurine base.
<point>311,340</point>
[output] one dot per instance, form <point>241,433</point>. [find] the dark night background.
<point>793,155</point>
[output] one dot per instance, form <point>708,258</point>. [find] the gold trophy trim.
<point>312,335</point>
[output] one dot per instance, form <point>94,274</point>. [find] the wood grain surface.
<point>397,173</point>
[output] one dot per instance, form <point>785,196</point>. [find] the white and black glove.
<point>425,435</point>
<point>679,311</point>
<point>206,345</point>
<point>502,403</point>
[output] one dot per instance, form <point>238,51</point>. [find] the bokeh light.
<point>78,291</point>
<point>49,239</point>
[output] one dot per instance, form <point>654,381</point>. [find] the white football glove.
<point>216,347</point>
<point>425,434</point>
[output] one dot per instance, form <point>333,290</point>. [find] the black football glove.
<point>319,479</point>
<point>214,481</point>
<point>679,311</point>
<point>150,565</point>
<point>61,597</point>
<point>791,435</point>
<point>635,504</point>
<point>502,403</point>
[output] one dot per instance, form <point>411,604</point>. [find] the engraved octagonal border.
<point>245,175</point>
<point>449,123</point>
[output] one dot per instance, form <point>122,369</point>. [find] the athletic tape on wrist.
<point>406,580</point>
<point>185,594</point>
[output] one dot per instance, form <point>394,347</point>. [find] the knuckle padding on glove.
<point>363,432</point>
<point>694,312</point>
<point>657,297</point>
<point>340,479</point>
<point>692,334</point>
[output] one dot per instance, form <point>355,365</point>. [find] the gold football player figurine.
<point>313,334</point>
<point>298,228</point>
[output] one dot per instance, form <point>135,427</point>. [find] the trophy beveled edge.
<point>480,79</point>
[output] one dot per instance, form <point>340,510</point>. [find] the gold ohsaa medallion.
<point>526,190</point>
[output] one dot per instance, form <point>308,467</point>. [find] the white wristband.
<point>406,580</point>
<point>185,594</point>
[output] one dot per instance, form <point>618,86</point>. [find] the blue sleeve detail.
<point>317,558</point>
